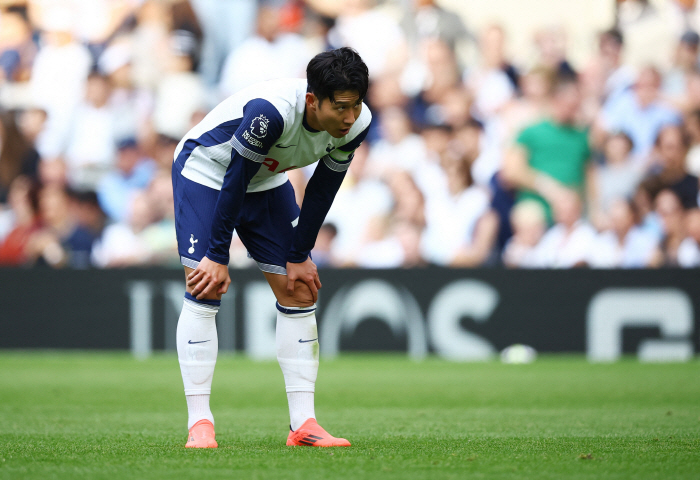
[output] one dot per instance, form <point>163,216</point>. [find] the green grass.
<point>95,415</point>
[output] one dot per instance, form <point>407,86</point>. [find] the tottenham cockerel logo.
<point>258,126</point>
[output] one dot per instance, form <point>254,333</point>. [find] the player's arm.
<point>318,197</point>
<point>260,127</point>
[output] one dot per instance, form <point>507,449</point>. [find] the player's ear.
<point>311,101</point>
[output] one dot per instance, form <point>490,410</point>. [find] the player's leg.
<point>266,229</point>
<point>197,349</point>
<point>197,342</point>
<point>297,353</point>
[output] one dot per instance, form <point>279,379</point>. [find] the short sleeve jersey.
<point>264,123</point>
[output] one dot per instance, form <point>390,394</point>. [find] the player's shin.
<point>197,348</point>
<point>297,354</point>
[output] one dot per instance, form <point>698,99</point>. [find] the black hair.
<point>336,71</point>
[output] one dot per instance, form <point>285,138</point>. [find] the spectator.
<point>460,228</point>
<point>225,26</point>
<point>617,177</point>
<point>267,55</point>
<point>689,249</point>
<point>669,208</point>
<point>323,250</point>
<point>17,50</point>
<point>550,43</point>
<point>568,242</point>
<point>359,199</point>
<point>640,113</point>
<point>150,39</point>
<point>529,225</point>
<point>489,83</point>
<point>429,80</point>
<point>528,109</point>
<point>685,62</point>
<point>399,148</point>
<point>606,76</point>
<point>692,130</point>
<point>551,157</point>
<point>17,156</point>
<point>644,206</point>
<point>428,20</point>
<point>180,92</point>
<point>159,236</point>
<point>133,173</point>
<point>23,201</point>
<point>121,244</point>
<point>62,241</point>
<point>375,35</point>
<point>92,140</point>
<point>58,77</point>
<point>670,152</point>
<point>131,106</point>
<point>397,244</point>
<point>624,244</point>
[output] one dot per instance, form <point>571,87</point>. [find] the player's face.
<point>336,117</point>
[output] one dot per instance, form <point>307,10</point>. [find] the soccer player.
<point>229,173</point>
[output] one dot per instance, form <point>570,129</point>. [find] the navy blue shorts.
<point>265,225</point>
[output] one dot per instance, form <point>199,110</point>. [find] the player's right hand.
<point>305,272</point>
<point>209,280</point>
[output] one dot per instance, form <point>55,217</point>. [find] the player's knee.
<point>302,296</point>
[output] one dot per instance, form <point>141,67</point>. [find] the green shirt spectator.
<point>559,150</point>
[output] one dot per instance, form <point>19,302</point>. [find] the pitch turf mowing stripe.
<point>108,416</point>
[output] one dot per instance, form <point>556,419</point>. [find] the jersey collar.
<point>307,126</point>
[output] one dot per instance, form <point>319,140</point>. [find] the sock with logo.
<point>197,348</point>
<point>297,354</point>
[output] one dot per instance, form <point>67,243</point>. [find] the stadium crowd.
<point>474,158</point>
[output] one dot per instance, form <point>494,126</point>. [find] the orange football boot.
<point>311,434</point>
<point>201,435</point>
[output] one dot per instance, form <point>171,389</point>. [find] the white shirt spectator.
<point>451,221</point>
<point>375,35</point>
<point>636,251</point>
<point>178,97</point>
<point>57,85</point>
<point>258,60</point>
<point>492,90</point>
<point>119,246</point>
<point>351,212</point>
<point>560,249</point>
<point>91,144</point>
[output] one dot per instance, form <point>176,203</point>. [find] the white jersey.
<point>264,123</point>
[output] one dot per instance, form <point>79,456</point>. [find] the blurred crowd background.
<point>476,156</point>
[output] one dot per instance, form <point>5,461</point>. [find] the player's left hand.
<point>306,272</point>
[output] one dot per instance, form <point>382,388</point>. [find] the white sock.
<point>297,354</point>
<point>197,348</point>
<point>301,408</point>
<point>198,409</point>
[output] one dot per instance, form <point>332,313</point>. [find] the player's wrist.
<point>297,257</point>
<point>220,259</point>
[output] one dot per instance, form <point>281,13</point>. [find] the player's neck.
<point>310,121</point>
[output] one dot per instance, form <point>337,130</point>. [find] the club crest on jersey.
<point>258,126</point>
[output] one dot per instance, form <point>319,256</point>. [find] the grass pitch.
<point>96,415</point>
